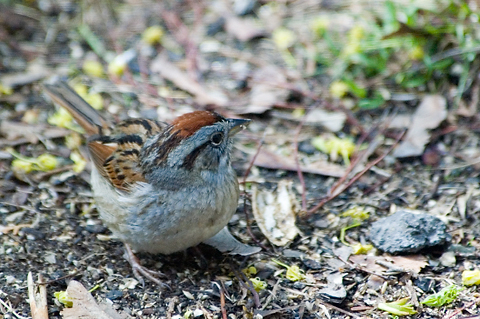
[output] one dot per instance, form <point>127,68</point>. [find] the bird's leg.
<point>139,271</point>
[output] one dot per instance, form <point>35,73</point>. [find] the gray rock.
<point>405,232</point>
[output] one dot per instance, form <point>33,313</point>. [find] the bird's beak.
<point>236,125</point>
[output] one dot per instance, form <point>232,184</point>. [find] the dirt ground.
<point>212,56</point>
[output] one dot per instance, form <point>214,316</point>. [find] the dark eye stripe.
<point>190,159</point>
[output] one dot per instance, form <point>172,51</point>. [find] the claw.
<point>139,271</point>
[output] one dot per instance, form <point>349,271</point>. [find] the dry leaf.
<point>332,121</point>
<point>36,71</point>
<point>412,263</point>
<point>429,114</point>
<point>202,95</point>
<point>31,133</point>
<point>271,160</point>
<point>85,306</point>
<point>244,29</point>
<point>266,90</point>
<point>275,213</point>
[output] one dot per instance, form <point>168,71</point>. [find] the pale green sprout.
<point>258,284</point>
<point>400,307</point>
<point>64,298</point>
<point>358,248</point>
<point>335,146</point>
<point>294,273</point>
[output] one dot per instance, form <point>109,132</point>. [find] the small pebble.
<point>114,294</point>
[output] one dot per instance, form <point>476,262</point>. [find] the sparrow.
<point>158,187</point>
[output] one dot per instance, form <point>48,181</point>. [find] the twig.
<point>222,303</point>
<point>456,312</point>
<point>247,284</point>
<point>44,283</point>
<point>297,161</point>
<point>9,308</point>
<point>247,172</point>
<point>355,178</point>
<point>348,313</point>
<point>38,300</point>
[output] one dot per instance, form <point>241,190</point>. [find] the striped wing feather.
<point>116,157</point>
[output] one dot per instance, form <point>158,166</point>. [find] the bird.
<point>160,188</point>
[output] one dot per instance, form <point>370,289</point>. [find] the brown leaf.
<point>412,263</point>
<point>172,73</point>
<point>429,114</point>
<point>271,160</point>
<point>31,133</point>
<point>244,29</point>
<point>266,90</point>
<point>85,306</point>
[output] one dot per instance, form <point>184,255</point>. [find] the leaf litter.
<point>296,64</point>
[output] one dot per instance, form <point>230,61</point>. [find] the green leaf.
<point>373,103</point>
<point>444,296</point>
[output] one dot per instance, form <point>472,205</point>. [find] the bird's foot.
<point>140,271</point>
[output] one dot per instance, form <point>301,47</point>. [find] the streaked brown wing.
<point>116,157</point>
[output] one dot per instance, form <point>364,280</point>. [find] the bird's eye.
<point>216,138</point>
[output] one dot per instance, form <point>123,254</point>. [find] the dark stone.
<point>306,147</point>
<point>312,264</point>
<point>96,228</point>
<point>114,294</point>
<point>299,285</point>
<point>426,284</point>
<point>405,232</point>
<point>37,234</point>
<point>215,27</point>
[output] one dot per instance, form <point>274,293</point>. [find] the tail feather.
<point>85,115</point>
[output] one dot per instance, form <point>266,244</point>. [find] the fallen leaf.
<point>85,306</point>
<point>266,90</point>
<point>275,213</point>
<point>36,71</point>
<point>31,133</point>
<point>412,263</point>
<point>244,29</point>
<point>172,73</point>
<point>332,121</point>
<point>271,160</point>
<point>429,114</point>
<point>335,291</point>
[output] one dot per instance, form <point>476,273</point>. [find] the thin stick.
<point>247,284</point>
<point>222,303</point>
<point>355,178</point>
<point>297,161</point>
<point>351,314</point>
<point>9,308</point>
<point>247,172</point>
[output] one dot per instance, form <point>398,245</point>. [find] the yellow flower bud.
<point>283,38</point>
<point>153,35</point>
<point>95,100</point>
<point>93,68</point>
<point>338,89</point>
<point>46,162</point>
<point>21,166</point>
<point>117,67</point>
